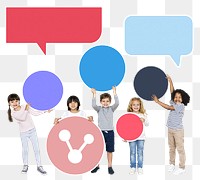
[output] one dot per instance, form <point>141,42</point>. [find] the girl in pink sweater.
<point>22,115</point>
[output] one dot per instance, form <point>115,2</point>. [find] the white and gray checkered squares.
<point>18,61</point>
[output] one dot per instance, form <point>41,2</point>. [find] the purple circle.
<point>43,90</point>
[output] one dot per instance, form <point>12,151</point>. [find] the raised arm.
<point>35,112</point>
<point>170,83</point>
<point>166,106</point>
<point>114,90</point>
<point>116,104</point>
<point>94,105</point>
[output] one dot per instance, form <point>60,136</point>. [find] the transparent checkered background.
<point>18,61</point>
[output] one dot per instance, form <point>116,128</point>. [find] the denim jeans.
<point>136,147</point>
<point>25,136</point>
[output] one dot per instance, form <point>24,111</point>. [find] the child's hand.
<point>168,78</point>
<point>142,119</point>
<point>154,97</point>
<point>56,121</point>
<point>93,91</point>
<point>90,119</point>
<point>50,110</point>
<point>27,107</point>
<point>114,90</point>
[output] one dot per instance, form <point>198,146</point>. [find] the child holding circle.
<point>73,104</point>
<point>137,146</point>
<point>22,115</point>
<point>105,123</point>
<point>179,99</point>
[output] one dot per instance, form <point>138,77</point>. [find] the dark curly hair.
<point>184,95</point>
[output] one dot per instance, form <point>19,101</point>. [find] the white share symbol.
<point>75,155</point>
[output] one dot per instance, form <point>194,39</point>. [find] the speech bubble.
<point>53,25</point>
<point>159,35</point>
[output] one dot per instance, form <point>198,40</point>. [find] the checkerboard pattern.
<point>18,61</point>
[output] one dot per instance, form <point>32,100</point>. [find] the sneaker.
<point>132,171</point>
<point>140,171</point>
<point>110,170</point>
<point>41,170</point>
<point>179,171</point>
<point>171,168</point>
<point>25,169</point>
<point>95,169</point>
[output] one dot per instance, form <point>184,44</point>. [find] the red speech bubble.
<point>53,25</point>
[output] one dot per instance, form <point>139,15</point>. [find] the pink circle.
<point>58,150</point>
<point>129,126</point>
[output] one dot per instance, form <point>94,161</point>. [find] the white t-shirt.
<point>70,114</point>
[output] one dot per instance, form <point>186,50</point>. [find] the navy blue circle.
<point>102,67</point>
<point>150,81</point>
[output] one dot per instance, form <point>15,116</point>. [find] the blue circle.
<point>150,81</point>
<point>43,90</point>
<point>102,67</point>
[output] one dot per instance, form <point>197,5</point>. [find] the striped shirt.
<point>175,118</point>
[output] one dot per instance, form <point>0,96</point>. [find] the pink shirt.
<point>24,119</point>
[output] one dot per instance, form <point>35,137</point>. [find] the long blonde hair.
<point>141,110</point>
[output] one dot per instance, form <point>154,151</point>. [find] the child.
<point>22,115</point>
<point>105,123</point>
<point>136,106</point>
<point>73,105</point>
<point>179,99</point>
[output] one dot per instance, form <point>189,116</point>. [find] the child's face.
<point>14,104</point>
<point>136,106</point>
<point>178,98</point>
<point>105,102</point>
<point>73,105</point>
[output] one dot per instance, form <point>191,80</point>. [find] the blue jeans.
<point>139,145</point>
<point>32,136</point>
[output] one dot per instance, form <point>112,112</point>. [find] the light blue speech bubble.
<point>159,35</point>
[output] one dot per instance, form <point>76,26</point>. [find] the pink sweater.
<point>23,117</point>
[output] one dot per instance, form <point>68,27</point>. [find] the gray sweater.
<point>105,115</point>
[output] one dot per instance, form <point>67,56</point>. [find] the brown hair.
<point>141,110</point>
<point>105,95</point>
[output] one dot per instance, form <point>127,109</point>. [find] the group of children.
<point>179,99</point>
